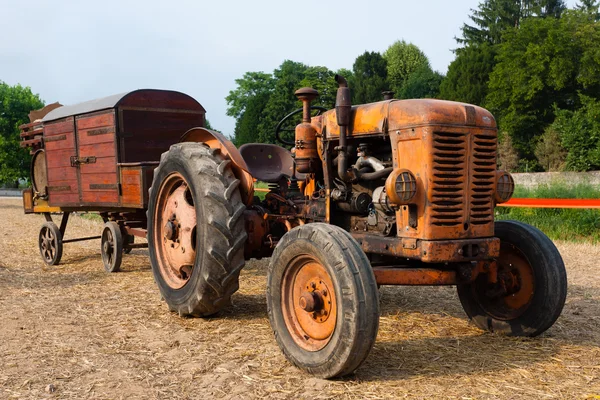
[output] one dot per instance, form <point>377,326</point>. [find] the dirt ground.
<point>74,331</point>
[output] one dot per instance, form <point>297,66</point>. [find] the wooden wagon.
<point>99,156</point>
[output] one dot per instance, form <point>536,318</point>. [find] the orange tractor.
<point>398,192</point>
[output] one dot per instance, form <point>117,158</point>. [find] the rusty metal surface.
<point>268,162</point>
<point>175,235</point>
<point>308,302</point>
<point>430,250</point>
<point>417,277</point>
<point>216,140</point>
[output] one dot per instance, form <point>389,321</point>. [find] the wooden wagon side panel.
<point>60,145</point>
<point>96,135</point>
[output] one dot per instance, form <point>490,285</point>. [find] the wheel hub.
<point>176,231</point>
<point>309,303</point>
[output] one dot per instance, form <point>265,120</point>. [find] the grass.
<point>580,225</point>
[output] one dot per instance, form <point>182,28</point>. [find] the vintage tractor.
<point>398,192</point>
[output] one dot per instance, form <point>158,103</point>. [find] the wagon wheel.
<point>50,243</point>
<point>531,288</point>
<point>112,247</point>
<point>127,240</point>
<point>322,300</point>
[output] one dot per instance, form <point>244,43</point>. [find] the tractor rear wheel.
<point>196,230</point>
<point>531,289</point>
<point>322,300</point>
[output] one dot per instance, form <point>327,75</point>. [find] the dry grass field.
<point>74,331</point>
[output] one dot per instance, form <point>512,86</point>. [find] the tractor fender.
<point>216,140</point>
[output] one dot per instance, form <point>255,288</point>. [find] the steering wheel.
<point>279,127</point>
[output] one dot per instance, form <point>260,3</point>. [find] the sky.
<point>73,51</point>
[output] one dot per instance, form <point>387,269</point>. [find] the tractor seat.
<point>268,162</point>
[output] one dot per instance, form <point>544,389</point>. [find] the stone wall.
<point>533,179</point>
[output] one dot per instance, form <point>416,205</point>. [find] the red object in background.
<point>552,203</point>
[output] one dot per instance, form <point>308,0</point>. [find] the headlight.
<point>505,186</point>
<point>401,186</point>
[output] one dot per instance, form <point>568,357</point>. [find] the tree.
<point>549,150</point>
<point>246,127</point>
<point>402,60</point>
<point>15,104</point>
<point>544,64</point>
<point>590,7</point>
<point>580,134</point>
<point>370,78</point>
<point>423,83</point>
<point>493,17</point>
<point>468,75</point>
<point>250,85</point>
<point>282,100</point>
<point>508,158</point>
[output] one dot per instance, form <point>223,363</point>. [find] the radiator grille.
<point>454,195</point>
<point>484,170</point>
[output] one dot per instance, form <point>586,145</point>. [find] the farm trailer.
<point>98,156</point>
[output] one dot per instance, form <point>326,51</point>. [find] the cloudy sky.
<point>72,51</point>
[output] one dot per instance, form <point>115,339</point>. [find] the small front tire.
<point>322,300</point>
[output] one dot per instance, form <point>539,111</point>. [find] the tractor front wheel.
<point>322,300</point>
<point>531,287</point>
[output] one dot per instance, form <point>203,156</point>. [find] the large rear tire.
<point>322,300</point>
<point>196,230</point>
<point>531,289</point>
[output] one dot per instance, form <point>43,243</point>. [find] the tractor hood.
<point>389,115</point>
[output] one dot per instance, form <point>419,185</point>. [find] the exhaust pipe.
<point>343,109</point>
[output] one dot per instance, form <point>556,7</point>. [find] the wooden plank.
<point>98,150</point>
<point>103,165</point>
<point>105,197</point>
<point>131,186</point>
<point>96,121</point>
<point>97,135</point>
<point>97,179</point>
<point>55,128</point>
<point>552,203</point>
<point>59,157</point>
<point>63,141</point>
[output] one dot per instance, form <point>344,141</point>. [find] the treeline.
<point>534,64</point>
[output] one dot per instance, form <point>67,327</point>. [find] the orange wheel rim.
<point>175,231</point>
<point>308,302</point>
<point>516,278</point>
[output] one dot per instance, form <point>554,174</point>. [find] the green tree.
<point>493,17</point>
<point>468,75</point>
<point>370,78</point>
<point>246,127</point>
<point>544,64</point>
<point>580,134</point>
<point>590,7</point>
<point>402,60</point>
<point>423,83</point>
<point>15,104</point>
<point>250,85</point>
<point>282,100</point>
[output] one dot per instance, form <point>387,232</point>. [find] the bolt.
<point>324,292</point>
<point>313,285</point>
